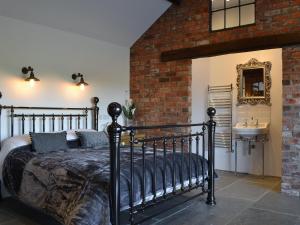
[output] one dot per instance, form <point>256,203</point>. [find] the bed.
<point>81,185</point>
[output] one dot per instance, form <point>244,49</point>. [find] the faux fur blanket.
<point>73,185</point>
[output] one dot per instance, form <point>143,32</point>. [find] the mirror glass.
<point>254,82</point>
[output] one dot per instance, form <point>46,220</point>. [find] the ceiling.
<point>120,22</point>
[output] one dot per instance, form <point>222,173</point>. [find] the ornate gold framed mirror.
<point>254,82</point>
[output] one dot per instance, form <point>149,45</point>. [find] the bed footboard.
<point>195,176</point>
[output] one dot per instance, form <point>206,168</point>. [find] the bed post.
<point>0,124</point>
<point>0,120</point>
<point>211,125</point>
<point>114,131</point>
<point>96,114</point>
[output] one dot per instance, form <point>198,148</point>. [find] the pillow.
<point>74,143</point>
<point>47,142</point>
<point>92,139</point>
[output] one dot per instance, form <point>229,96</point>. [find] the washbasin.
<point>252,129</point>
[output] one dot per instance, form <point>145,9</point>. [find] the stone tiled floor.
<point>241,200</point>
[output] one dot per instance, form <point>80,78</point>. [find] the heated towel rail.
<point>220,97</point>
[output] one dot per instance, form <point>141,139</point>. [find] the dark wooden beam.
<point>241,45</point>
<point>175,1</point>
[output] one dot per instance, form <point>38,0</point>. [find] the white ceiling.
<point>120,22</point>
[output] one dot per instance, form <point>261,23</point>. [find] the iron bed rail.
<point>185,145</point>
<point>51,116</point>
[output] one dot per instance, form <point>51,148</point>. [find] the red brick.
<point>162,91</point>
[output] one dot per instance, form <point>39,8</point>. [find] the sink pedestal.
<point>250,133</point>
<point>260,138</point>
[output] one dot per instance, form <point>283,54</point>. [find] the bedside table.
<point>125,139</point>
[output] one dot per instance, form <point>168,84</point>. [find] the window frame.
<point>224,9</point>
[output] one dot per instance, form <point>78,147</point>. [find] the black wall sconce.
<point>81,82</point>
<point>31,79</point>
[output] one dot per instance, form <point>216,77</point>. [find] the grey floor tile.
<point>151,222</point>
<point>11,222</point>
<point>162,211</point>
<point>272,181</point>
<point>194,193</point>
<point>297,221</point>
<point>224,181</point>
<point>5,216</point>
<point>262,217</point>
<point>280,202</point>
<point>245,190</point>
<point>199,213</point>
<point>169,205</point>
<point>22,214</point>
<point>222,173</point>
<point>19,222</point>
<point>138,219</point>
<point>235,196</point>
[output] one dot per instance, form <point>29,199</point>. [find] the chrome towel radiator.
<point>220,97</point>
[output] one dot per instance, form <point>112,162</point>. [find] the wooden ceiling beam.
<point>237,46</point>
<point>175,1</point>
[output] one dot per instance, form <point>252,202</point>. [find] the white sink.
<point>251,129</point>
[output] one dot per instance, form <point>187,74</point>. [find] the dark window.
<point>226,14</point>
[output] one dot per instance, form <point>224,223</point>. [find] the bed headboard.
<point>48,119</point>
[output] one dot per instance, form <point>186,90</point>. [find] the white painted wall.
<point>200,80</point>
<point>221,70</point>
<point>56,55</point>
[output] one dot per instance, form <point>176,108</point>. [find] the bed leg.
<point>114,131</point>
<point>211,125</point>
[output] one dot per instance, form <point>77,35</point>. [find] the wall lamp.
<point>31,79</point>
<point>81,82</point>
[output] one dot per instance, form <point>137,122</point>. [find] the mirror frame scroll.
<point>254,64</point>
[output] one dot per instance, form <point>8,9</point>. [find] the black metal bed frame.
<point>115,135</point>
<point>206,132</point>
<point>52,116</point>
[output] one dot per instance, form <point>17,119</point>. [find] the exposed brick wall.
<point>162,91</point>
<point>291,121</point>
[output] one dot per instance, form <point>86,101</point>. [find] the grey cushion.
<point>91,139</point>
<point>48,142</point>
